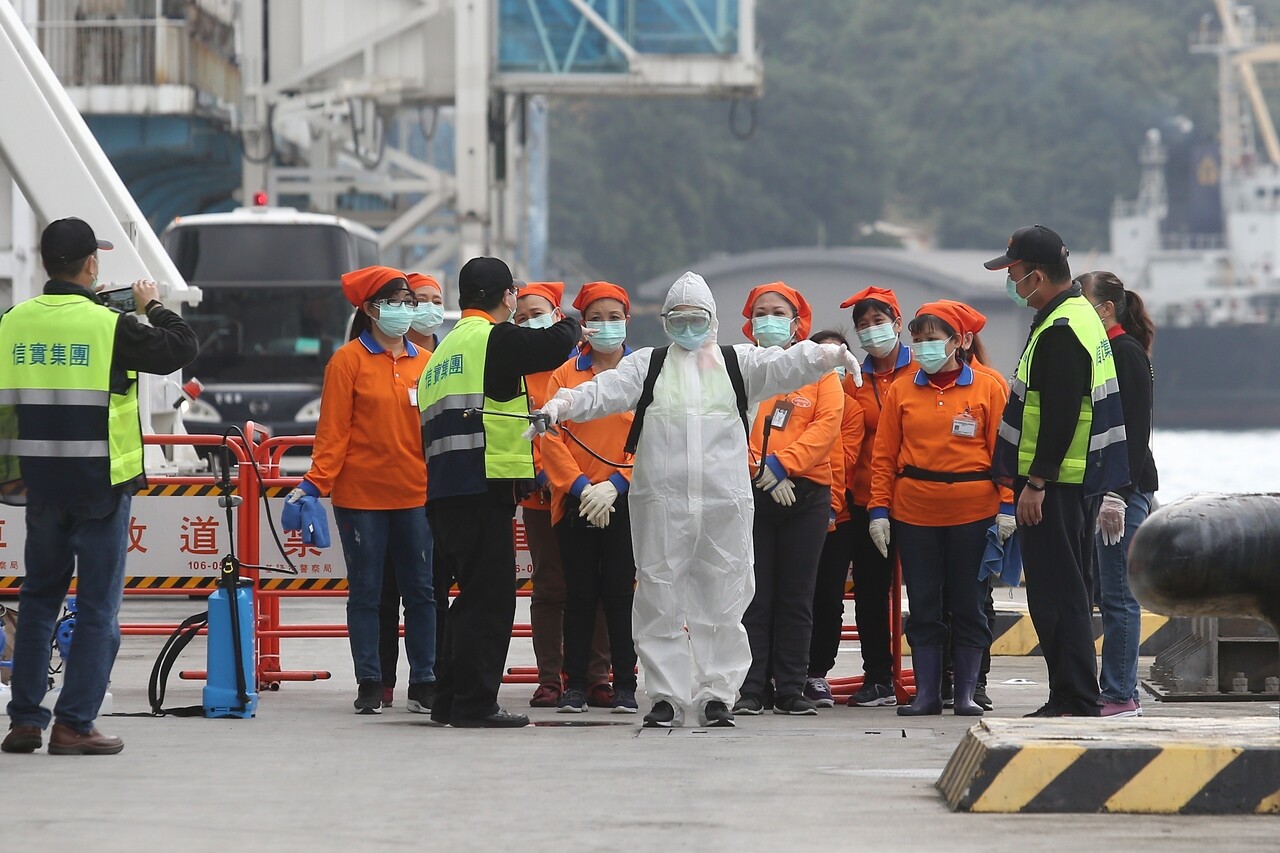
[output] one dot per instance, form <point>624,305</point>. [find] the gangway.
<point>62,171</point>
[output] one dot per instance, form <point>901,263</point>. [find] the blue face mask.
<point>394,320</point>
<point>930,355</point>
<point>542,321</point>
<point>609,334</point>
<point>428,318</point>
<point>771,331</point>
<point>1011,288</point>
<point>878,340</point>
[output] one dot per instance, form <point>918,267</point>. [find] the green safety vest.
<point>464,451</point>
<point>1097,457</point>
<point>59,419</point>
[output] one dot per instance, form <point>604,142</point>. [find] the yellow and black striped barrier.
<point>1174,766</point>
<point>1013,633</point>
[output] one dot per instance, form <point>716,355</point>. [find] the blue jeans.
<point>90,542</point>
<point>1121,613</point>
<point>368,537</point>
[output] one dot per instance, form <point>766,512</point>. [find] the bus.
<point>272,312</point>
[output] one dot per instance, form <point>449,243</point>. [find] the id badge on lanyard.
<point>964,425</point>
<point>781,415</point>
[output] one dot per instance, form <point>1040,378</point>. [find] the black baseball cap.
<point>480,278</point>
<point>1032,244</point>
<point>69,240</point>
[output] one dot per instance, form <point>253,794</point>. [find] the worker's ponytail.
<point>1131,311</point>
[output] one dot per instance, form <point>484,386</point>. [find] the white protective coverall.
<point>691,501</point>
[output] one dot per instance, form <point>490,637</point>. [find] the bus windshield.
<point>267,333</point>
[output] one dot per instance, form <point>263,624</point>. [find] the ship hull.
<point>1219,377</point>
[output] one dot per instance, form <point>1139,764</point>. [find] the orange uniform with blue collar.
<point>844,457</point>
<point>569,468</point>
<point>870,397</point>
<point>949,430</point>
<point>802,446</point>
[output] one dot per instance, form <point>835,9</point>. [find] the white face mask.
<point>428,318</point>
<point>542,321</point>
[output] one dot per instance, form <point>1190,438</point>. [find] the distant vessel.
<point>1212,282</point>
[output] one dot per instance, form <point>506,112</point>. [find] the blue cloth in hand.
<point>1002,560</point>
<point>306,514</point>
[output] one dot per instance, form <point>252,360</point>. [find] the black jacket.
<point>1137,392</point>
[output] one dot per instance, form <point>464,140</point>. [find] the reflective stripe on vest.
<point>465,451</point>
<point>56,353</point>
<point>1097,456</point>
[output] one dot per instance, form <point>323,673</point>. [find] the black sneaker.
<point>871,695</point>
<point>749,706</point>
<point>794,704</point>
<point>572,701</point>
<point>421,697</point>
<point>369,698</point>
<point>662,715</point>
<point>499,719</point>
<point>624,701</point>
<point>1048,709</point>
<point>718,715</point>
<point>981,698</point>
<point>948,690</point>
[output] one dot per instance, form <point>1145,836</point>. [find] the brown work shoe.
<point>64,740</point>
<point>22,739</point>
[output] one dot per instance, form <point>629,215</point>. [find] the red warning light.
<point>260,199</point>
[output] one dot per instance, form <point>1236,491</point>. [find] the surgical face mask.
<point>930,355</point>
<point>1011,288</point>
<point>428,318</point>
<point>394,320</point>
<point>542,321</point>
<point>841,370</point>
<point>609,334</point>
<point>878,340</point>
<point>689,340</point>
<point>771,330</point>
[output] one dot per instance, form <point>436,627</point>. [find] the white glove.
<point>1005,525</point>
<point>838,354</point>
<point>596,502</point>
<point>879,529</point>
<point>785,492</point>
<point>546,417</point>
<point>766,479</point>
<point>1111,519</point>
<point>294,496</point>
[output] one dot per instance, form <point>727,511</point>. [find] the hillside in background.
<point>966,119</point>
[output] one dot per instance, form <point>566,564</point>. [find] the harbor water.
<point>1195,461</point>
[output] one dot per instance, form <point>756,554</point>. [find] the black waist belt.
<point>913,473</point>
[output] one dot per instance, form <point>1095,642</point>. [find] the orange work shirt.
<point>536,386</point>
<point>569,468</point>
<point>993,373</point>
<point>870,396</point>
<point>844,456</point>
<point>801,447</point>
<point>951,429</point>
<point>368,452</point>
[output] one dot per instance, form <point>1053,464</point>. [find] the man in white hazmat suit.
<point>691,497</point>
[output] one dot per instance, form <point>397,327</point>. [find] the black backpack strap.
<point>734,370</point>
<point>646,397</point>
<point>173,647</point>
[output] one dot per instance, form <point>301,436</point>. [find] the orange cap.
<point>972,320</point>
<point>417,281</point>
<point>880,294</point>
<point>594,290</point>
<point>803,312</point>
<point>552,291</point>
<point>360,285</point>
<point>955,314</point>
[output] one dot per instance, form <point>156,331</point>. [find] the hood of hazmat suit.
<point>691,500</point>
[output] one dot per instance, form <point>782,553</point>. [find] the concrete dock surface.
<point>309,774</point>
